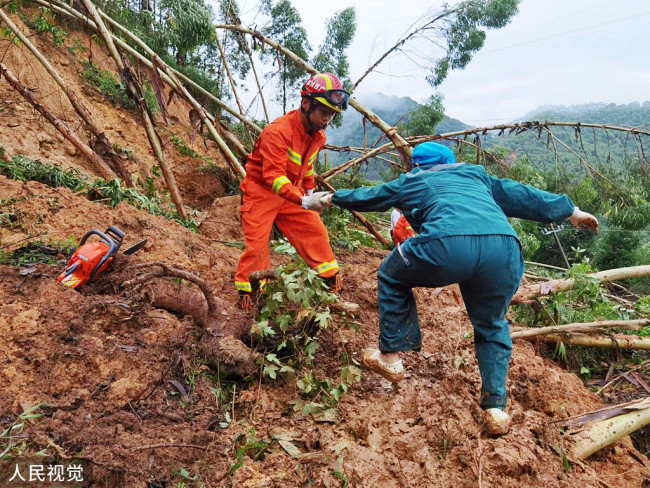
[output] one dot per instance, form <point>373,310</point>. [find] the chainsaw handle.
<point>116,232</point>
<point>107,240</point>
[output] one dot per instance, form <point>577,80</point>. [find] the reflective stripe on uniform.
<point>310,172</point>
<point>311,158</point>
<point>322,268</point>
<point>409,227</point>
<point>243,286</point>
<point>278,183</point>
<point>294,156</point>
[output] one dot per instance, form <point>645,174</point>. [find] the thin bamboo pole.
<point>232,83</point>
<point>72,97</point>
<point>97,162</point>
<point>259,86</point>
<point>580,327</point>
<point>618,341</point>
<point>133,88</point>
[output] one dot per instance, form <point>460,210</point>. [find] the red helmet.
<point>327,89</point>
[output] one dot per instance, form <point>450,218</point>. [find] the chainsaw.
<point>92,258</point>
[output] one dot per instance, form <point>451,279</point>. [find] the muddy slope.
<point>106,364</point>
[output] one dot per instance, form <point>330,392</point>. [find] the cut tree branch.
<point>603,427</point>
<point>614,341</point>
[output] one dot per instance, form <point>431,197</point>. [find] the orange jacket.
<point>402,230</point>
<point>283,157</point>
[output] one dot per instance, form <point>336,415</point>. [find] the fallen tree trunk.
<point>221,345</point>
<point>580,327</point>
<point>615,341</point>
<point>529,292</point>
<point>232,161</point>
<point>169,76</point>
<point>82,111</point>
<point>95,160</point>
<point>595,430</point>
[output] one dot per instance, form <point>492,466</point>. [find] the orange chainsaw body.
<point>91,258</point>
<point>87,257</point>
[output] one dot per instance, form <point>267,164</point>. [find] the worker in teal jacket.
<point>460,213</point>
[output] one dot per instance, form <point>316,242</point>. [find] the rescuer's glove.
<point>313,201</point>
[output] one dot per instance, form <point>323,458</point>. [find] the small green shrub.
<point>43,24</point>
<point>107,83</point>
<point>344,232</point>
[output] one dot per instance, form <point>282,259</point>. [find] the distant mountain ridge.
<point>394,109</point>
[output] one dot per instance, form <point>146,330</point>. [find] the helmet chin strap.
<point>307,113</point>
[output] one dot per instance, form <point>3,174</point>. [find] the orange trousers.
<point>303,228</point>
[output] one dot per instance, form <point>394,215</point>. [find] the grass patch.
<point>110,193</point>
<point>114,90</point>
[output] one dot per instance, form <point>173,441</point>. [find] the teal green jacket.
<point>457,199</point>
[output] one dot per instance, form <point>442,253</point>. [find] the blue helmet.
<point>432,153</point>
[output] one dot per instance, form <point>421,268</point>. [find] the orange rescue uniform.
<point>402,230</point>
<point>278,173</point>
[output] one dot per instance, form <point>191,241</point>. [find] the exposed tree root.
<point>221,340</point>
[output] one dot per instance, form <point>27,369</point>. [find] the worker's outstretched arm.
<point>273,149</point>
<point>369,199</point>
<point>526,202</point>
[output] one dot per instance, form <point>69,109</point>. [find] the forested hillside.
<point>597,145</point>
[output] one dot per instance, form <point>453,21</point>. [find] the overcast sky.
<point>554,52</point>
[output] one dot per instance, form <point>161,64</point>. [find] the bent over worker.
<point>460,213</point>
<point>279,184</point>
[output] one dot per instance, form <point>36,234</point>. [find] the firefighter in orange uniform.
<point>279,186</point>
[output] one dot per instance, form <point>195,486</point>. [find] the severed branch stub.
<point>220,343</point>
<point>592,431</point>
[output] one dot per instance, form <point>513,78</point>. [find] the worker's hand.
<point>313,201</point>
<point>327,200</point>
<point>580,219</point>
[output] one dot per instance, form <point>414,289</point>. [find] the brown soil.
<point>123,382</point>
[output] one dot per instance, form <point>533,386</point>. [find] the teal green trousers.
<point>488,269</point>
